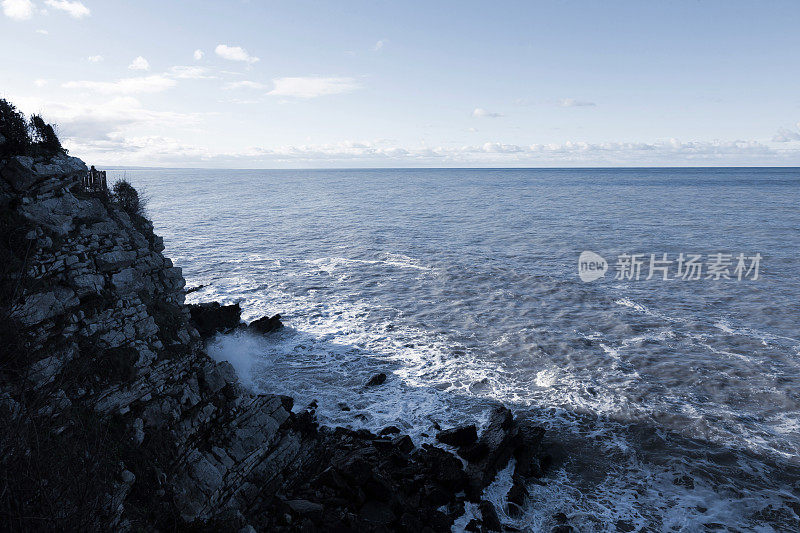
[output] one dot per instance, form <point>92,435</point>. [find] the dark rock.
<point>625,526</point>
<point>211,317</point>
<point>403,443</point>
<point>561,518</point>
<point>266,324</point>
<point>526,454</point>
<point>499,441</point>
<point>389,430</point>
<point>305,508</point>
<point>516,497</point>
<point>684,481</point>
<point>489,516</point>
<point>473,525</point>
<point>377,379</point>
<point>563,528</point>
<point>474,453</point>
<point>377,513</point>
<point>459,436</point>
<point>343,406</point>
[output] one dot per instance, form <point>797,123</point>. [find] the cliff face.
<point>99,318</point>
<point>115,417</point>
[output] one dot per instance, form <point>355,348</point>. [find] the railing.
<point>95,180</point>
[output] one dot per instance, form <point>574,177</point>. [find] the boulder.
<point>377,379</point>
<point>211,317</point>
<point>497,444</point>
<point>489,516</point>
<point>459,436</point>
<point>266,324</point>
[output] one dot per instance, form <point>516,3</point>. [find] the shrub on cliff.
<point>127,197</point>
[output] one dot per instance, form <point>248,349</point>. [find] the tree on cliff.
<point>19,137</point>
<point>44,137</point>
<point>14,137</point>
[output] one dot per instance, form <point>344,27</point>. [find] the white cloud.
<point>148,84</point>
<point>103,124</point>
<point>119,149</point>
<point>246,84</point>
<point>43,32</point>
<point>479,112</point>
<point>74,9</point>
<point>18,9</point>
<point>198,55</point>
<point>379,45</point>
<point>786,135</point>
<point>312,87</point>
<point>234,53</point>
<point>571,102</point>
<point>40,82</point>
<point>94,59</point>
<point>189,72</point>
<point>139,63</point>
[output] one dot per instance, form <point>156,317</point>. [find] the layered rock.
<point>104,351</point>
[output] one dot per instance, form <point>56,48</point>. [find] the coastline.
<point>103,323</point>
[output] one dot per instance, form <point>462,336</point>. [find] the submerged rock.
<point>377,379</point>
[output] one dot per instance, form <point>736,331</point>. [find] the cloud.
<point>189,73</point>
<point>94,59</point>
<point>139,63</point>
<point>147,84</point>
<point>246,84</point>
<point>786,135</point>
<point>379,45</point>
<point>571,102</point>
<point>154,150</point>
<point>198,55</point>
<point>479,112</point>
<point>40,82</point>
<point>312,87</point>
<point>98,122</point>
<point>234,53</point>
<point>43,32</point>
<point>74,9</point>
<point>18,9</point>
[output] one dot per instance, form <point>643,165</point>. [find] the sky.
<point>313,84</point>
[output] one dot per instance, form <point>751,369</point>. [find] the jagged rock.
<point>459,436</point>
<point>42,306</point>
<point>211,317</point>
<point>198,443</point>
<point>496,445</point>
<point>305,508</point>
<point>489,516</point>
<point>266,324</point>
<point>516,497</point>
<point>216,376</point>
<point>377,379</point>
<point>115,260</point>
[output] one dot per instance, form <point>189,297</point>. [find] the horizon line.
<point>684,167</point>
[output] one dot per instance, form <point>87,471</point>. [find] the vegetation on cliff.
<point>19,136</point>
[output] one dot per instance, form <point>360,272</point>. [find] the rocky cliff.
<point>115,416</point>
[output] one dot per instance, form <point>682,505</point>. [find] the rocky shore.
<point>116,418</point>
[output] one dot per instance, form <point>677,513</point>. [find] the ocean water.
<point>671,405</point>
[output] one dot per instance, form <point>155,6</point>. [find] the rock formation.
<point>117,418</point>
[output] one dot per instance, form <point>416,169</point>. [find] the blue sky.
<point>352,84</point>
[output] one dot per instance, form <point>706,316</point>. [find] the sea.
<point>669,386</point>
